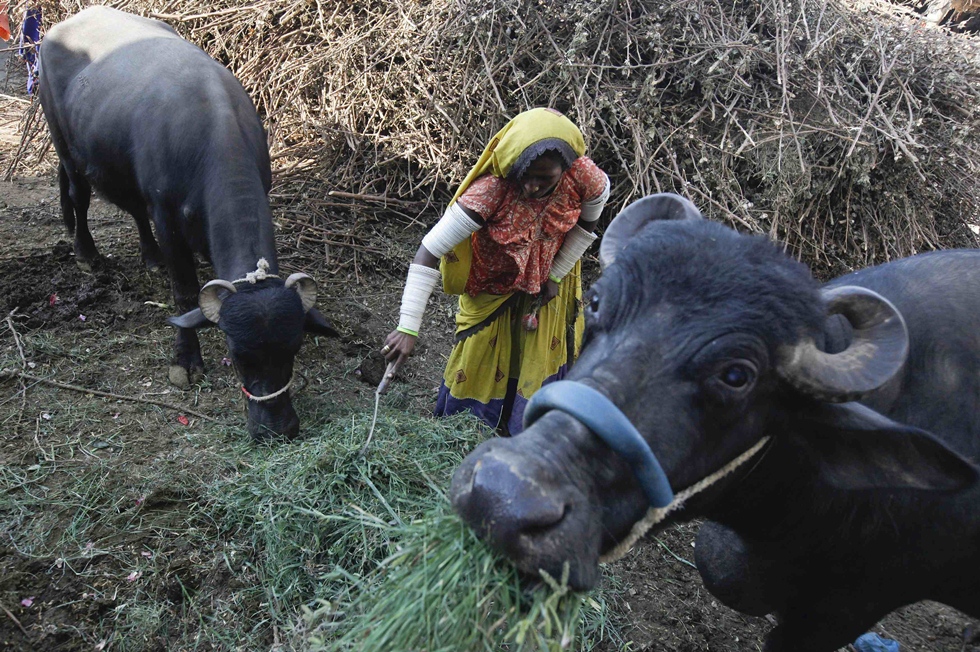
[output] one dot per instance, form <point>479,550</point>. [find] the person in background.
<point>510,245</point>
<point>4,22</point>
<point>30,37</point>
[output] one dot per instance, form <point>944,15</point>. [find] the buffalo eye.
<point>594,303</point>
<point>738,375</point>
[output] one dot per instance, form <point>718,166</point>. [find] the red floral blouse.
<point>514,251</point>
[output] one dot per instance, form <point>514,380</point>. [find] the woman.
<point>509,244</point>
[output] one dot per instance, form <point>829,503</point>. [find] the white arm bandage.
<point>593,208</point>
<point>576,242</point>
<point>451,229</point>
<point>419,285</point>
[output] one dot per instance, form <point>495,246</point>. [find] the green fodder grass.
<point>132,530</point>
<point>369,547</point>
<point>441,589</point>
<point>134,535</point>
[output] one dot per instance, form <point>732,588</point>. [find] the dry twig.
<point>10,374</point>
<point>23,363</point>
<point>16,622</point>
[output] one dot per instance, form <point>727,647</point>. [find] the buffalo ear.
<point>305,287</point>
<point>317,324</point>
<point>212,296</point>
<point>193,319</point>
<point>858,448</point>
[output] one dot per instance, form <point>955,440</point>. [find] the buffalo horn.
<point>879,346</point>
<point>305,287</point>
<point>210,300</point>
<point>632,219</point>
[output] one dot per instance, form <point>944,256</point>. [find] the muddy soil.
<point>106,331</point>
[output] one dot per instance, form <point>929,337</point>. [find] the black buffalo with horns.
<point>830,435</point>
<point>166,133</point>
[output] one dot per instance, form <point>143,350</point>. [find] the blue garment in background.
<point>873,643</point>
<point>30,36</point>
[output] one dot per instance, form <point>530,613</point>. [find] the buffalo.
<point>160,129</point>
<point>828,435</point>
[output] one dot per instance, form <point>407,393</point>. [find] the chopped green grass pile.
<point>443,590</point>
<point>369,550</point>
<point>190,537</point>
<point>304,546</point>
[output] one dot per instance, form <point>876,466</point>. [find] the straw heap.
<point>849,131</point>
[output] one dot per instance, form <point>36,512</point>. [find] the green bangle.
<point>552,277</point>
<point>406,331</point>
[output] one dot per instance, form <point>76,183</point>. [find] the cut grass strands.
<point>303,546</point>
<point>371,546</point>
<point>444,590</point>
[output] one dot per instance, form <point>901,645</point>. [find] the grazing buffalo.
<point>166,133</point>
<point>829,434</point>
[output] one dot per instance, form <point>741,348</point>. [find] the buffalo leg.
<point>187,365</point>
<point>824,625</point>
<point>76,194</point>
<point>963,597</point>
<point>149,249</point>
<point>67,208</point>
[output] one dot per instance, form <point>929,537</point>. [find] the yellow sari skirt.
<point>496,364</point>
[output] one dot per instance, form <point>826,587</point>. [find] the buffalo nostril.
<point>504,503</point>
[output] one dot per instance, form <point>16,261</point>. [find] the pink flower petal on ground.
<point>135,575</point>
<point>146,553</point>
<point>53,299</point>
<point>26,602</point>
<point>81,317</point>
<point>226,362</point>
<point>183,420</point>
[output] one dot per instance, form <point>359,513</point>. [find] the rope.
<point>656,514</point>
<point>260,274</point>
<point>267,397</point>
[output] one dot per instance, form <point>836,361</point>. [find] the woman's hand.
<point>398,346</point>
<point>548,292</point>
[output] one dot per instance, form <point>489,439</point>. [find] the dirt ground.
<point>106,331</point>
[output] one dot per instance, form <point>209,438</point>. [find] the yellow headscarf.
<point>498,157</point>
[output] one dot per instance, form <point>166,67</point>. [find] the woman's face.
<point>541,177</point>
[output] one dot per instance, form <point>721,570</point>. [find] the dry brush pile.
<point>849,131</point>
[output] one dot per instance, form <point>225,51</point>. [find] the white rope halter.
<point>260,274</point>
<point>656,514</point>
<point>268,397</point>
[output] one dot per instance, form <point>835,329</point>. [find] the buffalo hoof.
<point>184,378</point>
<point>153,260</point>
<point>85,257</point>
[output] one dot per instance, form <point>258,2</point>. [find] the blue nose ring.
<point>604,419</point>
